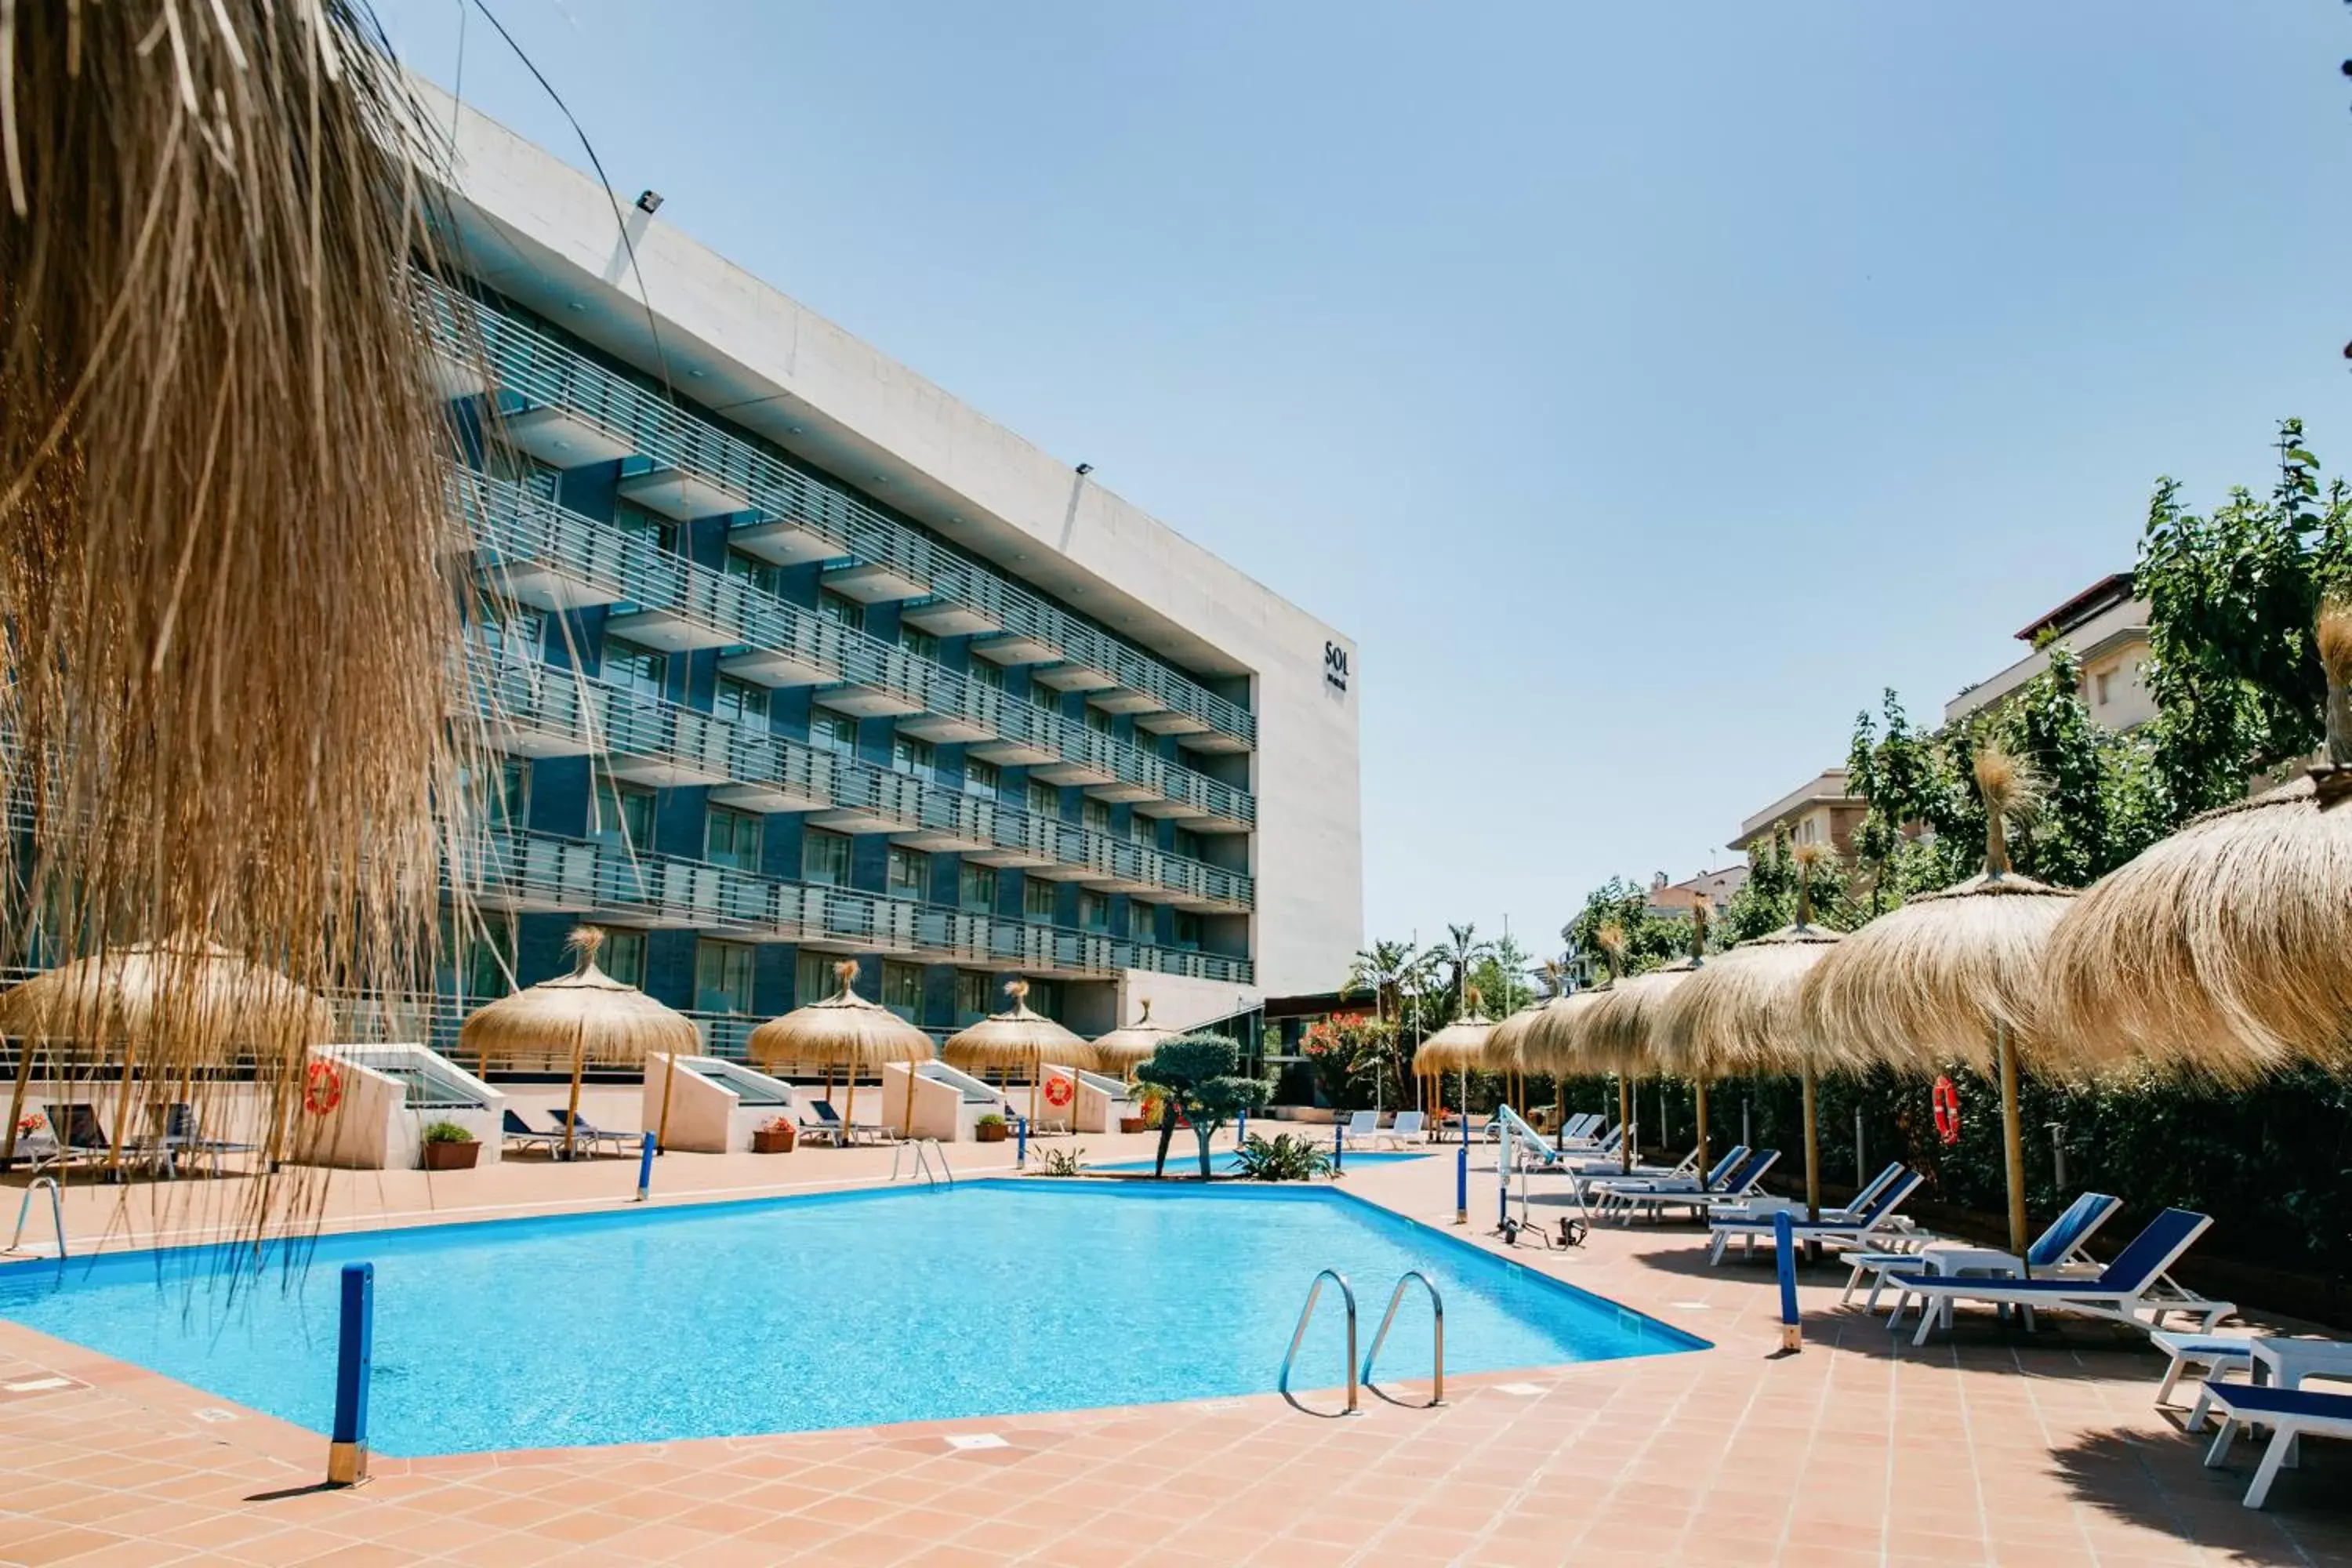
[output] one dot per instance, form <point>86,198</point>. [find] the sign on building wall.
<point>1335,666</point>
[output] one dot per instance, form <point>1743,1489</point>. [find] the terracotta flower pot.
<point>452,1156</point>
<point>777,1140</point>
<point>1133,1124</point>
<point>989,1131</point>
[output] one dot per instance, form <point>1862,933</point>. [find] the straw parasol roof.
<point>1739,1012</point>
<point>1549,1039</point>
<point>2226,950</point>
<point>1017,1037</point>
<point>1619,1032</point>
<point>211,1004</point>
<point>844,1029</point>
<point>1123,1051</point>
<point>592,1016</point>
<point>1462,1045</point>
<point>1953,975</point>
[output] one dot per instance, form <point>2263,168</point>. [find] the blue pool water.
<point>1186,1162</point>
<point>731,1319</point>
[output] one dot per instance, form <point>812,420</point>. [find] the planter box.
<point>452,1156</point>
<point>989,1132</point>
<point>1133,1124</point>
<point>777,1141</point>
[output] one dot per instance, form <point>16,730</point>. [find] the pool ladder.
<point>57,1216</point>
<point>1363,1378</point>
<point>926,1149</point>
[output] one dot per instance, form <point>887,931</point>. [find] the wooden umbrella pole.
<point>2012,1137</point>
<point>849,1111</point>
<point>907,1120</point>
<point>1625,1122</point>
<point>1812,1144</point>
<point>669,1075</point>
<point>1698,1093</point>
<point>578,1066</point>
<point>1036,1071</point>
<point>123,1106</point>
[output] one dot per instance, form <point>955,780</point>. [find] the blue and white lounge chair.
<point>2128,1290</point>
<point>2056,1252</point>
<point>2290,1413</point>
<point>514,1131</point>
<point>587,1135</point>
<point>1737,1186</point>
<point>1858,1226</point>
<point>1606,1182</point>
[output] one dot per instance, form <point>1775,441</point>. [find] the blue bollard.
<point>1020,1143</point>
<point>1784,1256</point>
<point>1241,1127</point>
<point>1338,1146</point>
<point>354,1352</point>
<point>649,1146</point>
<point>1462,1185</point>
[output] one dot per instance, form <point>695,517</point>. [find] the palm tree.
<point>1462,950</point>
<point>1384,969</point>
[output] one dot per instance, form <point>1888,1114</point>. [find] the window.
<point>919,642</point>
<point>489,949</point>
<point>1094,909</point>
<point>1188,844</point>
<point>902,989</point>
<point>1044,696</point>
<point>722,977</point>
<point>988,674</point>
<point>501,800</point>
<point>1037,898</point>
<point>981,778</point>
<point>634,668</point>
<point>731,838</point>
<point>970,995</point>
<point>622,813</point>
<point>741,702</point>
<point>2102,677</point>
<point>1094,813</point>
<point>1097,720</point>
<point>1188,930</point>
<point>825,857</point>
<point>636,523</point>
<point>841,609</point>
<point>623,956</point>
<point>910,873</point>
<point>1045,996</point>
<point>1142,829</point>
<point>812,978</point>
<point>509,632</point>
<point>763,575</point>
<point>913,755</point>
<point>1142,920</point>
<point>832,732</point>
<point>976,888</point>
<point>1045,799</point>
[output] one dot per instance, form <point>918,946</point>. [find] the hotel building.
<point>793,657</point>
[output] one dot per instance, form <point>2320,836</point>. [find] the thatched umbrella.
<point>1954,974</point>
<point>1623,1027</point>
<point>597,1015</point>
<point>1739,1012</point>
<point>1467,1042</point>
<point>1548,1039</point>
<point>2226,950</point>
<point>1018,1038</point>
<point>172,1005</point>
<point>844,1028</point>
<point>1123,1051</point>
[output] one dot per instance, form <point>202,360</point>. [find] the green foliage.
<point>1284,1157</point>
<point>1062,1162</point>
<point>1651,939</point>
<point>988,1118</point>
<point>445,1132</point>
<point>1350,1055</point>
<point>1767,900</point>
<point>1197,1075</point>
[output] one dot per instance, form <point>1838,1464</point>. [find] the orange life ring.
<point>322,1087</point>
<point>1057,1092</point>
<point>1947,1111</point>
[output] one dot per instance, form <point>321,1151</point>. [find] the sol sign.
<point>1335,666</point>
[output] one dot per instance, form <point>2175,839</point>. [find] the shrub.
<point>991,1119</point>
<point>1063,1161</point>
<point>1284,1157</point>
<point>447,1133</point>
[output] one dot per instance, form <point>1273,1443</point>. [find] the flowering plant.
<point>30,1122</point>
<point>776,1124</point>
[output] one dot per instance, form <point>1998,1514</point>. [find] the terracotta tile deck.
<point>1852,1452</point>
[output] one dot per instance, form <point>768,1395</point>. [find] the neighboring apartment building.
<point>1818,811</point>
<point>1713,888</point>
<point>859,672</point>
<point>2107,629</point>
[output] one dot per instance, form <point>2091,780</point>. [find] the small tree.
<point>1197,1075</point>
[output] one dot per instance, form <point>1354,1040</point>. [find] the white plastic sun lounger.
<point>1406,1130</point>
<point>1610,1185</point>
<point>1860,1225</point>
<point>1653,1199</point>
<point>2057,1252</point>
<point>2128,1290</point>
<point>1362,1126</point>
<point>2291,1414</point>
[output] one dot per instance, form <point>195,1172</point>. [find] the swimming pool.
<point>995,1297</point>
<point>1186,1162</point>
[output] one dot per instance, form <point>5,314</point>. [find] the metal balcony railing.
<point>530,870</point>
<point>516,528</point>
<point>540,372</point>
<point>597,718</point>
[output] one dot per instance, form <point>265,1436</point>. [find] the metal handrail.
<point>57,1215</point>
<point>924,1148</point>
<point>1299,1336</point>
<point>1437,1310</point>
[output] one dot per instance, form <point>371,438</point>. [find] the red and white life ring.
<point>322,1087</point>
<point>1058,1092</point>
<point>1947,1111</point>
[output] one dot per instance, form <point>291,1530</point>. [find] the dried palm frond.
<point>2225,951</point>
<point>229,587</point>
<point>844,1029</point>
<point>1016,1038</point>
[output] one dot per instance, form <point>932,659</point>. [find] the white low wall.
<point>373,1128</point>
<point>706,1117</point>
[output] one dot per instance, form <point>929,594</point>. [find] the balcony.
<point>568,411</point>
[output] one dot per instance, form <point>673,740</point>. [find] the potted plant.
<point>449,1147</point>
<point>1137,1117</point>
<point>989,1129</point>
<point>775,1136</point>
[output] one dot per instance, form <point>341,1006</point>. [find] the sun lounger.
<point>516,1132</point>
<point>1362,1124</point>
<point>824,1123</point>
<point>1405,1129</point>
<point>79,1137</point>
<point>1762,1206</point>
<point>2128,1290</point>
<point>183,1135</point>
<point>1860,1225</point>
<point>583,1131</point>
<point>2057,1250</point>
<point>1604,1181</point>
<point>2291,1414</point>
<point>1655,1196</point>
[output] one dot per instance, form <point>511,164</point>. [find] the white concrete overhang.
<point>561,439</point>
<point>685,496</point>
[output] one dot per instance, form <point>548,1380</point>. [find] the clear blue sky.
<point>1644,386</point>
